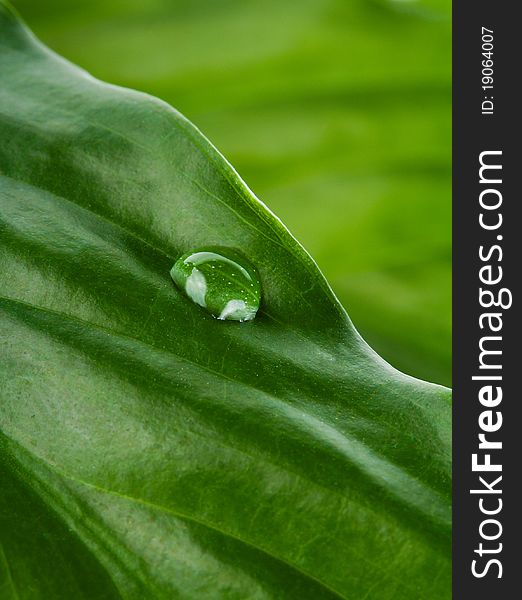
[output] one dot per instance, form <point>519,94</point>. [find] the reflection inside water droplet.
<point>221,280</point>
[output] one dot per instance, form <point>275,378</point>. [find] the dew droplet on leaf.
<point>221,280</point>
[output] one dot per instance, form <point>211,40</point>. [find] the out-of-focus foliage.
<point>337,114</point>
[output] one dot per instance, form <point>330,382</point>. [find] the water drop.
<point>221,280</point>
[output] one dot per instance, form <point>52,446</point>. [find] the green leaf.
<point>365,127</point>
<point>148,450</point>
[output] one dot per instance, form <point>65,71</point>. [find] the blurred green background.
<point>337,115</point>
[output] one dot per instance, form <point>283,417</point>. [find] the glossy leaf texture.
<point>148,450</point>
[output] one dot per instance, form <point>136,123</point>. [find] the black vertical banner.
<point>487,257</point>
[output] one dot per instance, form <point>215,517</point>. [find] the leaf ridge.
<point>190,518</point>
<point>59,472</point>
<point>369,474</point>
<point>7,571</point>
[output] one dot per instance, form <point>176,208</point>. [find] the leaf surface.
<point>148,450</point>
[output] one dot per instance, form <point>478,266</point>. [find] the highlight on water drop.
<point>220,280</point>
